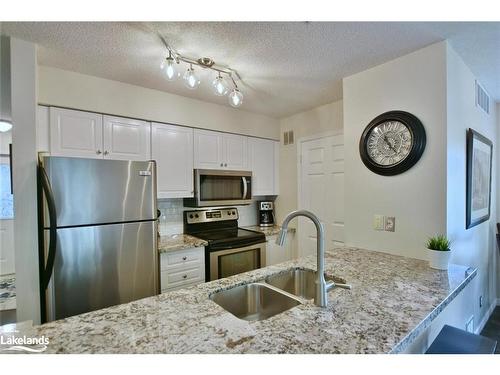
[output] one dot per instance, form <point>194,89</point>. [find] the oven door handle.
<point>245,187</point>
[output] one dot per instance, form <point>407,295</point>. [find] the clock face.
<point>389,143</point>
<point>392,143</point>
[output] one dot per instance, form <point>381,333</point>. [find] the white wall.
<point>79,91</point>
<point>23,82</point>
<point>318,120</point>
<point>417,198</point>
<point>475,246</point>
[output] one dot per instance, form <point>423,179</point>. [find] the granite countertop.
<point>7,292</point>
<point>268,231</point>
<point>393,299</point>
<point>179,242</point>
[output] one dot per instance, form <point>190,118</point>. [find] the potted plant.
<point>439,252</point>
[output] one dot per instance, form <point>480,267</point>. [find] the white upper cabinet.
<point>208,150</point>
<point>214,150</point>
<point>235,151</point>
<point>172,148</point>
<point>126,139</point>
<point>263,161</point>
<point>75,133</point>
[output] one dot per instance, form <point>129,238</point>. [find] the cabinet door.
<point>261,157</point>
<point>235,152</point>
<point>126,139</point>
<point>172,148</point>
<point>208,150</point>
<point>75,133</point>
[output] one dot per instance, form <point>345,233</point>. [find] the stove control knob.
<point>234,213</point>
<point>191,216</point>
<point>197,216</point>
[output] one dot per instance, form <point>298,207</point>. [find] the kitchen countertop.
<point>179,242</point>
<point>7,292</point>
<point>268,231</point>
<point>393,299</point>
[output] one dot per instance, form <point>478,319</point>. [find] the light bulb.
<point>219,86</point>
<point>170,69</point>
<point>190,79</point>
<point>235,98</point>
<point>5,126</point>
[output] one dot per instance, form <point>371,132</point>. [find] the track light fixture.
<point>220,85</point>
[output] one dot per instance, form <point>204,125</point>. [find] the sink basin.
<point>253,301</point>
<point>299,282</point>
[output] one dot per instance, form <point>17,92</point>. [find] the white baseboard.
<point>483,322</point>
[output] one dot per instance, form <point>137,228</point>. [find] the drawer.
<point>181,277</point>
<point>182,258</point>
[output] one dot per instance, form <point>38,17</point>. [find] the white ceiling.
<point>286,67</point>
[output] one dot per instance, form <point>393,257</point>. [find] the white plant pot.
<point>439,259</point>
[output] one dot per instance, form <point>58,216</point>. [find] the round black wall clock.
<point>392,143</point>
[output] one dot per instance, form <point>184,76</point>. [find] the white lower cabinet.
<point>182,268</point>
<point>277,254</point>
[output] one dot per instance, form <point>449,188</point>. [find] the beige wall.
<point>417,198</point>
<point>474,246</point>
<point>319,120</point>
<point>79,91</point>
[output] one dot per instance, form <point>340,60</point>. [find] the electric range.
<point>230,250</point>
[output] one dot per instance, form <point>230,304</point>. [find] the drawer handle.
<point>185,276</point>
<point>184,258</point>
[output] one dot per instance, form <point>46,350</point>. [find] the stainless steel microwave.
<point>214,187</point>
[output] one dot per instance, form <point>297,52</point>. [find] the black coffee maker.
<point>266,213</point>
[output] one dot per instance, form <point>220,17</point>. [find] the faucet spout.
<point>321,298</point>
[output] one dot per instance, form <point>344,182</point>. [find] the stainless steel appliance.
<point>266,213</point>
<point>97,234</point>
<point>220,188</point>
<point>231,250</point>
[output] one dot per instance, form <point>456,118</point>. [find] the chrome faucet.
<point>322,287</point>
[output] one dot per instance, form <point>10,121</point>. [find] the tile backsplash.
<point>171,221</point>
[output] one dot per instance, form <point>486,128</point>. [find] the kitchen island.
<point>393,299</point>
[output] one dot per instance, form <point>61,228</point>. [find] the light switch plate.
<point>378,222</point>
<point>390,224</point>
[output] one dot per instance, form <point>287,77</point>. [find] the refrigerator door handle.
<point>51,205</point>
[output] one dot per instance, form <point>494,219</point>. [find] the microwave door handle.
<point>245,187</point>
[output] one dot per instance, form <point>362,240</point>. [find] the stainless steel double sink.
<point>279,293</point>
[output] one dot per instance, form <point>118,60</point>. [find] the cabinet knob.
<point>184,258</point>
<point>184,276</point>
<point>98,152</point>
<point>105,152</point>
<point>225,164</point>
<point>221,164</point>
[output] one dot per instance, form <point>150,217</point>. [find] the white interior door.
<point>322,191</point>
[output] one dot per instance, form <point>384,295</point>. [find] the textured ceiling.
<point>286,67</point>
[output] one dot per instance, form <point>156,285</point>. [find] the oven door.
<point>222,188</point>
<point>225,263</point>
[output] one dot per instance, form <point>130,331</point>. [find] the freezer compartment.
<point>101,266</point>
<point>93,191</point>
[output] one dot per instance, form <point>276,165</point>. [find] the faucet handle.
<point>332,284</point>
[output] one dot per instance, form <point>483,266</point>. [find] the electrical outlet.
<point>480,301</point>
<point>469,325</point>
<point>378,222</point>
<point>390,224</point>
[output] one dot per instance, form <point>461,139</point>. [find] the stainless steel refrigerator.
<point>97,234</point>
